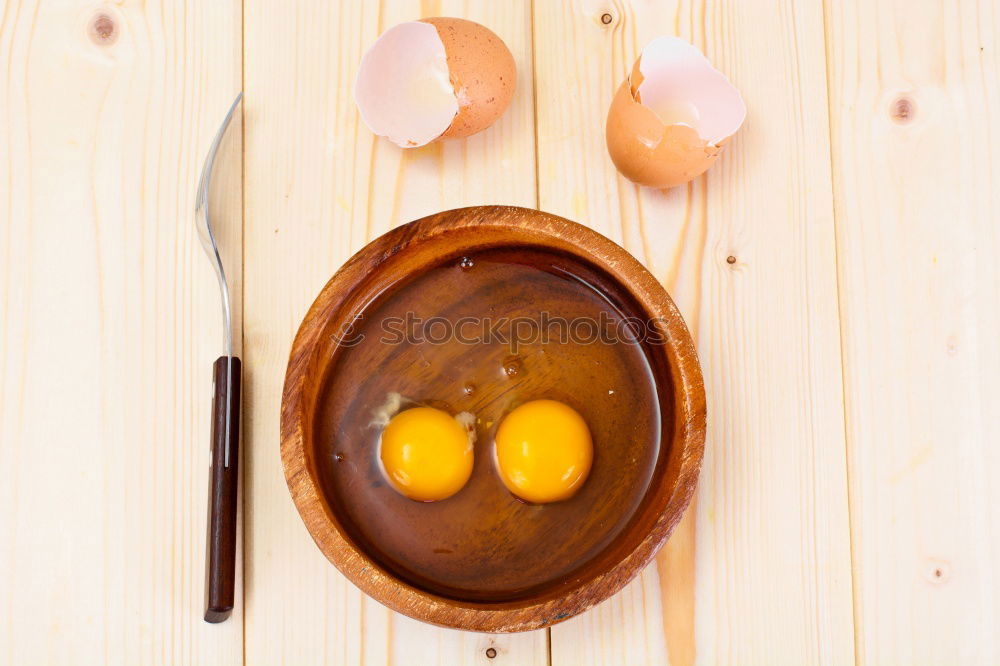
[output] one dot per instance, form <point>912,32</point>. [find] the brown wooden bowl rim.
<point>523,615</point>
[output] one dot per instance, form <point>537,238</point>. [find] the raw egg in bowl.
<point>492,419</point>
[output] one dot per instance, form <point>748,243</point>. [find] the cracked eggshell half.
<point>670,119</point>
<point>435,78</point>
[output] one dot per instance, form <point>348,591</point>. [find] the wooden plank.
<point>914,93</point>
<point>760,572</point>
<point>110,324</point>
<point>319,186</point>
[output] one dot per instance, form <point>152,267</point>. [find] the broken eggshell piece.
<point>670,119</point>
<point>434,78</point>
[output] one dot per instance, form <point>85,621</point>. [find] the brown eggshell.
<point>650,153</point>
<point>482,71</point>
<point>635,78</point>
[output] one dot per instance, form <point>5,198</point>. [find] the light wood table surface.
<point>838,269</point>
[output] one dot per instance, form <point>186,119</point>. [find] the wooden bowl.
<point>307,407</point>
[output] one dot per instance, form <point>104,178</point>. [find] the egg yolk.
<point>426,454</point>
<point>544,451</point>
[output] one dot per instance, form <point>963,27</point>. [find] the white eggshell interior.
<point>680,85</point>
<point>403,89</point>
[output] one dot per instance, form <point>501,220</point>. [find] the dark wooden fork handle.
<point>220,562</point>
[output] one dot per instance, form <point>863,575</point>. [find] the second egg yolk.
<point>544,451</point>
<point>426,453</point>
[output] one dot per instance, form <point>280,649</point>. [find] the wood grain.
<point>109,319</point>
<point>914,98</point>
<point>320,185</point>
<point>110,324</point>
<point>735,590</point>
